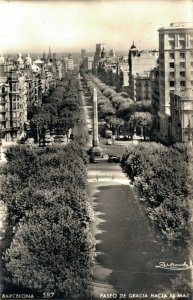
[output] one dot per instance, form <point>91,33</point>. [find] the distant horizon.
<point>120,52</point>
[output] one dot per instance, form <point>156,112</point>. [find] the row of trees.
<point>160,175</point>
<point>45,192</point>
<point>59,111</point>
<point>120,111</point>
<point>51,249</point>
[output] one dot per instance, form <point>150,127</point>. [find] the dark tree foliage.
<point>59,110</point>
<point>45,192</point>
<point>160,174</point>
<point>113,104</point>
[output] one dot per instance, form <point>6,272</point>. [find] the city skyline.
<point>33,26</point>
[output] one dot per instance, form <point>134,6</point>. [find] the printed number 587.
<point>48,295</point>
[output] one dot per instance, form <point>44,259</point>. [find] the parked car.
<point>21,141</point>
<point>108,133</point>
<point>29,141</point>
<point>113,158</point>
<point>60,139</point>
<point>109,142</point>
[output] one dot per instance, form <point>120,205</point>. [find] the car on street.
<point>29,141</point>
<point>108,133</point>
<point>109,142</point>
<point>113,158</point>
<point>21,141</point>
<point>60,139</point>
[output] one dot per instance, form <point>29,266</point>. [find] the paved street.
<point>127,249</point>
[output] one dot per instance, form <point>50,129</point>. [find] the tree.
<point>59,250</point>
<point>150,166</point>
<point>143,120</point>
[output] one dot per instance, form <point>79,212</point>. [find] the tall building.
<point>175,67</point>
<point>141,63</point>
<point>83,52</point>
<point>68,63</point>
<point>100,50</point>
<point>49,54</point>
<point>4,99</point>
<point>112,53</point>
<point>154,75</point>
<point>88,63</point>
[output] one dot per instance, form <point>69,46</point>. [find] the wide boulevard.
<point>128,250</point>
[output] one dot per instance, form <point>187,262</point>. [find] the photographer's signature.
<point>175,266</point>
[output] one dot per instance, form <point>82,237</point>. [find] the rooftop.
<point>178,25</point>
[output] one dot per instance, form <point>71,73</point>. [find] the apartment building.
<point>4,100</point>
<point>175,67</point>
<point>181,107</point>
<point>154,75</point>
<point>140,64</point>
<point>23,82</point>
<point>88,63</point>
<point>143,87</point>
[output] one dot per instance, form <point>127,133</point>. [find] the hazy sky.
<point>71,25</point>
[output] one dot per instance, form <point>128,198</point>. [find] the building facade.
<point>143,87</point>
<point>141,63</point>
<point>88,63</point>
<point>175,67</point>
<point>23,82</point>
<point>181,106</point>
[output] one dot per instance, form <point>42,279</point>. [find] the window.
<point>171,55</point>
<point>13,87</point>
<point>191,82</point>
<point>181,36</point>
<point>182,44</point>
<point>191,43</point>
<point>182,64</point>
<point>171,83</point>
<point>171,36</point>
<point>182,83</point>
<point>191,63</point>
<point>14,106</point>
<point>171,45</point>
<point>182,74</point>
<point>191,54</point>
<point>172,74</point>
<point>182,55</point>
<point>172,65</point>
<point>191,73</point>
